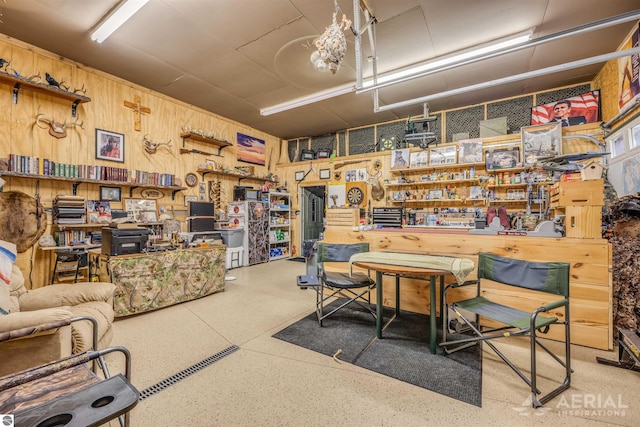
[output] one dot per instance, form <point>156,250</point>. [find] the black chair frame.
<point>354,287</point>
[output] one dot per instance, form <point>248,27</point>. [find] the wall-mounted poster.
<point>336,195</point>
<point>576,110</point>
<point>98,211</point>
<point>442,155</point>
<point>470,150</point>
<point>400,159</point>
<point>629,70</point>
<point>418,159</point>
<point>251,150</point>
<point>631,175</point>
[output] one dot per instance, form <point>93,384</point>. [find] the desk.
<point>423,267</point>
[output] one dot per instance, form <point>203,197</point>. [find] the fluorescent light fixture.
<point>125,10</point>
<point>405,74</point>
<point>453,59</point>
<point>305,100</point>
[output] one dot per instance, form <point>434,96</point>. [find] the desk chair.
<point>550,280</point>
<point>355,287</point>
<point>67,266</point>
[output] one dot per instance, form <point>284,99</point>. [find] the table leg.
<point>432,314</point>
<point>379,304</point>
<point>397,295</point>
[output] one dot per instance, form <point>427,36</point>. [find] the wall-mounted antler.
<point>82,90</point>
<point>56,129</point>
<point>151,147</point>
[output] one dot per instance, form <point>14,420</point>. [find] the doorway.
<point>312,207</point>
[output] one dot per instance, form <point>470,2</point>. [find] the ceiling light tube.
<point>305,100</point>
<point>384,81</point>
<point>125,10</point>
<point>530,74</point>
<point>447,61</point>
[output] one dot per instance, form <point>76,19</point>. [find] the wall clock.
<point>191,179</point>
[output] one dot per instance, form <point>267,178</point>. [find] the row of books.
<point>37,166</point>
<point>70,237</point>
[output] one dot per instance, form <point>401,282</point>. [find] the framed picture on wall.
<point>400,158</point>
<point>541,141</point>
<point>325,173</point>
<point>109,146</point>
<point>502,159</point>
<point>442,155</point>
<point>110,193</point>
<point>135,207</point>
<point>470,151</point>
<point>251,150</point>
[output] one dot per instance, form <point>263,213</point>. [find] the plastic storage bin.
<point>232,237</point>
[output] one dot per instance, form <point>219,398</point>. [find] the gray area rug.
<point>403,353</point>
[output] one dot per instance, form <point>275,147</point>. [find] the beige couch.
<point>36,329</point>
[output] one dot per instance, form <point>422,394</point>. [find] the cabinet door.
<point>258,249</point>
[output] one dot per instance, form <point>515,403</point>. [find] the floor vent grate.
<point>173,379</point>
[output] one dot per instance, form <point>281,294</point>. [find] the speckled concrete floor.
<point>269,382</point>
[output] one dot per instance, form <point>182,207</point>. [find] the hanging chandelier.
<point>332,44</point>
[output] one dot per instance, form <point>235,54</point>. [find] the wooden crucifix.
<point>138,110</point>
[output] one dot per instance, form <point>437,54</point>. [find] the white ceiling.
<point>234,57</point>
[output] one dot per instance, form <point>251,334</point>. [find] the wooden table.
<point>399,272</point>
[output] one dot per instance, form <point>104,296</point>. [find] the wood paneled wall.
<point>287,171</point>
<point>590,281</point>
<point>20,135</point>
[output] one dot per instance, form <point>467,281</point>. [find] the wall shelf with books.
<point>76,182</point>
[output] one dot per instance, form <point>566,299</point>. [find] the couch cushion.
<point>82,332</point>
<point>5,302</point>
<point>16,286</point>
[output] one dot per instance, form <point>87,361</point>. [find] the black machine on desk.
<point>124,241</point>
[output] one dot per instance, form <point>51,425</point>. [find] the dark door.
<point>312,209</point>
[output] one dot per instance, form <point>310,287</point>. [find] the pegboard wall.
<point>369,139</point>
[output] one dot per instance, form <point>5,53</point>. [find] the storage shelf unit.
<point>279,225</point>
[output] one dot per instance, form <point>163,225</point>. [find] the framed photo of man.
<point>109,146</point>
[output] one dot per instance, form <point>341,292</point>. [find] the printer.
<point>124,241</point>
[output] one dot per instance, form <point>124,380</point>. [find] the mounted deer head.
<point>56,129</point>
<point>151,147</point>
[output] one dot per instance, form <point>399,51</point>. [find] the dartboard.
<point>355,196</point>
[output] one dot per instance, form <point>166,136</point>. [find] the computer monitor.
<point>202,217</point>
